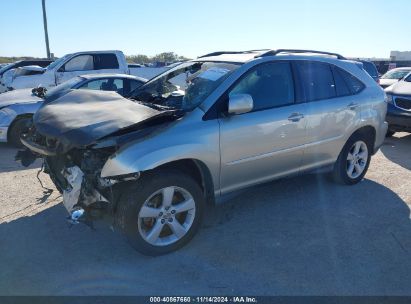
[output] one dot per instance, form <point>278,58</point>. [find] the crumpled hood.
<point>18,96</point>
<point>399,88</point>
<point>81,117</point>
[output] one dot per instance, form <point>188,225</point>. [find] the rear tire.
<point>17,128</point>
<point>153,224</point>
<point>353,162</point>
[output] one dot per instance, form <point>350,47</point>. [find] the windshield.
<point>185,86</point>
<point>57,62</point>
<point>67,85</point>
<point>395,74</point>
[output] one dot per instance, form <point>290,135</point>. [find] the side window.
<point>317,80</point>
<point>106,61</point>
<point>80,63</point>
<point>270,85</point>
<point>108,84</point>
<point>352,82</point>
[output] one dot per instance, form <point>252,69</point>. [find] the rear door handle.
<point>295,117</point>
<point>353,106</point>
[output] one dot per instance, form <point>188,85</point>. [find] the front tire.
<point>353,162</point>
<point>160,212</point>
<point>18,127</point>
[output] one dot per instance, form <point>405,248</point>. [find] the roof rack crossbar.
<point>276,52</point>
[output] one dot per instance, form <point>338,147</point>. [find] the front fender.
<point>129,162</point>
<point>16,110</point>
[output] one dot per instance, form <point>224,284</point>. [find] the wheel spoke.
<point>350,169</point>
<point>184,206</point>
<point>350,157</point>
<point>168,194</point>
<point>177,228</point>
<point>154,233</point>
<point>357,147</point>
<point>358,169</point>
<point>149,212</point>
<point>363,155</point>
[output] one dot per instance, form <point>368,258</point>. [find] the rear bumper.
<point>398,120</point>
<point>3,134</point>
<point>380,136</point>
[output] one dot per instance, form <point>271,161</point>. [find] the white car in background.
<point>393,76</point>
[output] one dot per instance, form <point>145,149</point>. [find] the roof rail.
<point>231,52</point>
<point>276,52</point>
<point>220,53</point>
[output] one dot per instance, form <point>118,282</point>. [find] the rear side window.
<point>341,85</point>
<point>270,85</point>
<point>352,82</point>
<point>105,61</point>
<point>317,81</point>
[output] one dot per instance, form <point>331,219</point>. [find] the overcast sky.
<point>361,28</point>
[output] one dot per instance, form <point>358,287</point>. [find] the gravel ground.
<point>297,236</point>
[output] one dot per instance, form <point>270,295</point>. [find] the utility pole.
<point>46,34</point>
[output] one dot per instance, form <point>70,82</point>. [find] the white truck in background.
<point>72,65</point>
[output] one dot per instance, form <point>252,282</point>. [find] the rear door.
<point>267,142</point>
<point>332,110</point>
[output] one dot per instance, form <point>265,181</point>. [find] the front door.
<point>267,142</point>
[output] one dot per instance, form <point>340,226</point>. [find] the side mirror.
<point>240,104</point>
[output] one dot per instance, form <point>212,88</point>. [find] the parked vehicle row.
<point>154,160</point>
<point>65,68</point>
<point>399,106</point>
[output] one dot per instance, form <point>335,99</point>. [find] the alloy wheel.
<point>357,159</point>
<point>166,216</point>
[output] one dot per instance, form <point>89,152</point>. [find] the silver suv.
<point>207,127</point>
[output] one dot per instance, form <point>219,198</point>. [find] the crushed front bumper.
<point>71,194</point>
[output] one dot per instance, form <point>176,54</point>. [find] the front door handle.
<point>295,117</point>
<point>353,106</point>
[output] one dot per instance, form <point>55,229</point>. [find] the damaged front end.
<point>75,138</point>
<point>76,174</point>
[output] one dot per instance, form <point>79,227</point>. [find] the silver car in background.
<point>236,120</point>
<point>18,106</point>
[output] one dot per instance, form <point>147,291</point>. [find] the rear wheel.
<point>18,127</point>
<point>161,212</point>
<point>353,161</point>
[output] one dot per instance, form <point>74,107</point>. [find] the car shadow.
<point>299,236</point>
<point>397,149</point>
<point>8,163</point>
